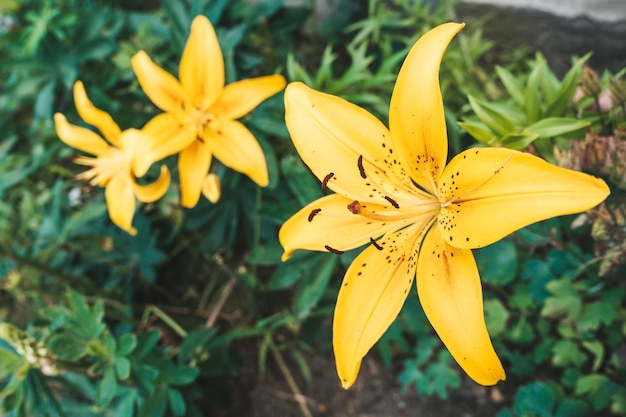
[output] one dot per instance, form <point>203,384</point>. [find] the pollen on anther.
<point>333,250</point>
<point>392,202</point>
<point>375,244</point>
<point>326,179</point>
<point>313,213</point>
<point>360,165</point>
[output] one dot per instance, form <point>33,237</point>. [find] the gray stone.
<point>557,28</point>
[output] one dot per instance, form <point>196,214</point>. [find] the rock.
<point>557,28</point>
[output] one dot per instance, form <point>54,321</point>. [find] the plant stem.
<point>284,369</point>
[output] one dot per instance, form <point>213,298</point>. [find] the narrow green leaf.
<point>491,117</point>
<point>556,126</point>
<point>532,99</point>
<point>107,388</point>
<point>512,85</point>
<point>519,141</point>
<point>480,133</point>
<point>313,285</point>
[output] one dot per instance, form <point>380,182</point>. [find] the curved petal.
<point>211,188</point>
<point>241,97</point>
<point>165,136</point>
<point>120,197</point>
<point>193,165</point>
<point>94,116</point>
<point>160,86</point>
<point>449,290</point>
<point>79,137</point>
<point>336,137</point>
<point>152,192</point>
<point>501,190</point>
<point>328,222</point>
<point>201,68</point>
<point>416,116</point>
<point>234,145</point>
<point>371,296</point>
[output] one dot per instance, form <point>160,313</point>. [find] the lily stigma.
<point>112,166</point>
<point>199,115</point>
<point>418,216</point>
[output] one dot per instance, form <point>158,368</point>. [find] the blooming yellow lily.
<point>420,217</point>
<point>199,119</point>
<point>112,166</point>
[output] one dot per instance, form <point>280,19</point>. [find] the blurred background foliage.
<point>98,323</point>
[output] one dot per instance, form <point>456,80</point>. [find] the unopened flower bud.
<point>617,87</point>
<point>590,82</point>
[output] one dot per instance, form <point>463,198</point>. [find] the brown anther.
<point>376,245</point>
<point>354,207</point>
<point>313,213</point>
<point>361,169</point>
<point>392,202</point>
<point>326,179</point>
<point>333,250</point>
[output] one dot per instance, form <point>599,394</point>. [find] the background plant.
<point>95,322</point>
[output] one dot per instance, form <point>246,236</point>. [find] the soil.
<point>376,393</point>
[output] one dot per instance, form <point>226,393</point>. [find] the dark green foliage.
<point>96,322</point>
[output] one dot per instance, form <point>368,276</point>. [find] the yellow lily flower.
<point>419,216</point>
<point>199,119</point>
<point>112,166</point>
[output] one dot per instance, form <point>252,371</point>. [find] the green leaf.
<point>532,99</point>
<point>573,408</point>
<point>556,126</point>
<point>267,254</point>
<point>565,301</point>
<point>67,347</point>
<point>534,399</point>
<point>497,263</point>
<point>182,375</point>
<point>496,316</point>
<point>595,314</point>
<point>107,388</point>
<point>122,367</point>
<point>567,353</point>
<point>491,117</point>
<point>480,133</point>
<point>597,348</point>
<point>313,285</point>
<point>193,342</point>
<point>9,362</point>
<point>177,402</point>
<point>300,180</point>
<point>126,343</point>
<point>519,141</point>
<point>512,85</point>
<point>563,97</point>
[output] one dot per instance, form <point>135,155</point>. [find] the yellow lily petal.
<point>237,148</point>
<point>371,296</point>
<point>193,165</point>
<point>328,222</point>
<point>79,137</point>
<point>94,116</point>
<point>201,67</point>
<point>120,197</point>
<point>416,117</point>
<point>164,136</point>
<point>241,97</point>
<point>448,286</point>
<point>335,136</point>
<point>211,188</point>
<point>156,190</point>
<point>160,86</point>
<point>501,191</point>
